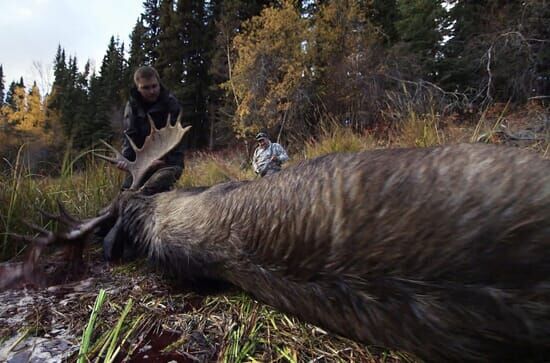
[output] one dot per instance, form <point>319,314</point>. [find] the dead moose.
<point>443,252</point>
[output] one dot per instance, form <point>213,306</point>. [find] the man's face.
<point>149,89</point>
<point>262,143</point>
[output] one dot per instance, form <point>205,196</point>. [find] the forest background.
<point>288,67</point>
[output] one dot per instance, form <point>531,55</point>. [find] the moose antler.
<point>74,231</point>
<point>157,144</point>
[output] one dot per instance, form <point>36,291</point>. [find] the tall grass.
<point>420,130</point>
<point>23,193</point>
<point>204,169</point>
<point>485,129</point>
<point>337,138</point>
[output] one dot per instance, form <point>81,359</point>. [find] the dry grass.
<point>23,193</point>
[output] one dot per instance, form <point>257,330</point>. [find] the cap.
<point>261,135</point>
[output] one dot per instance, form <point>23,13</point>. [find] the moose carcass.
<point>442,252</point>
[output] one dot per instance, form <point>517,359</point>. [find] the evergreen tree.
<point>67,102</point>
<point>112,72</point>
<point>420,28</point>
<point>19,107</point>
<point>137,55</point>
<point>10,95</point>
<point>496,49</point>
<point>71,100</point>
<point>59,85</point>
<point>151,19</point>
<point>194,35</point>
<point>2,87</point>
<point>170,60</point>
<point>345,53</point>
<point>383,14</point>
<point>98,114</point>
<point>105,97</point>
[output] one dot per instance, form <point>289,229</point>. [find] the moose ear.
<point>161,181</point>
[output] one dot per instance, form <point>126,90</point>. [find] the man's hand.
<point>122,165</point>
<point>157,164</point>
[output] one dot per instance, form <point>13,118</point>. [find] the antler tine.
<point>156,145</point>
<point>37,228</point>
<point>54,217</point>
<point>21,237</point>
<point>64,216</point>
<point>46,214</point>
<point>119,156</point>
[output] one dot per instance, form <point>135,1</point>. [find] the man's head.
<point>147,82</point>
<point>262,139</point>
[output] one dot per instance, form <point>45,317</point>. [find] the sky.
<point>31,30</point>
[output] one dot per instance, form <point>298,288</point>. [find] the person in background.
<point>268,156</point>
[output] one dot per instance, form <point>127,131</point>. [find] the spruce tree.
<point>112,72</point>
<point>496,49</point>
<point>420,27</point>
<point>137,56</point>
<point>10,95</point>
<point>105,96</point>
<point>2,87</point>
<point>194,34</point>
<point>151,20</point>
<point>384,14</point>
<point>170,58</point>
<point>59,84</point>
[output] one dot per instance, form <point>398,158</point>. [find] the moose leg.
<point>113,243</point>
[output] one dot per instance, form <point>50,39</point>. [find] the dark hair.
<point>146,72</point>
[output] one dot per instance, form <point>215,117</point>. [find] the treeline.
<point>238,66</point>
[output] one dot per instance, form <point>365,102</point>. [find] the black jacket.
<point>136,125</point>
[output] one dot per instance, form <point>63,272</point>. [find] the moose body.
<point>442,252</point>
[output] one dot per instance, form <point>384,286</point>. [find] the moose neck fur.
<point>441,252</point>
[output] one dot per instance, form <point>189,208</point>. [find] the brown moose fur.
<point>442,252</point>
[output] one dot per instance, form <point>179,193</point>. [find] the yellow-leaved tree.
<point>28,114</point>
<point>271,76</point>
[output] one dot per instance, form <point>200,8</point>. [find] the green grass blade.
<point>110,356</point>
<point>90,327</point>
